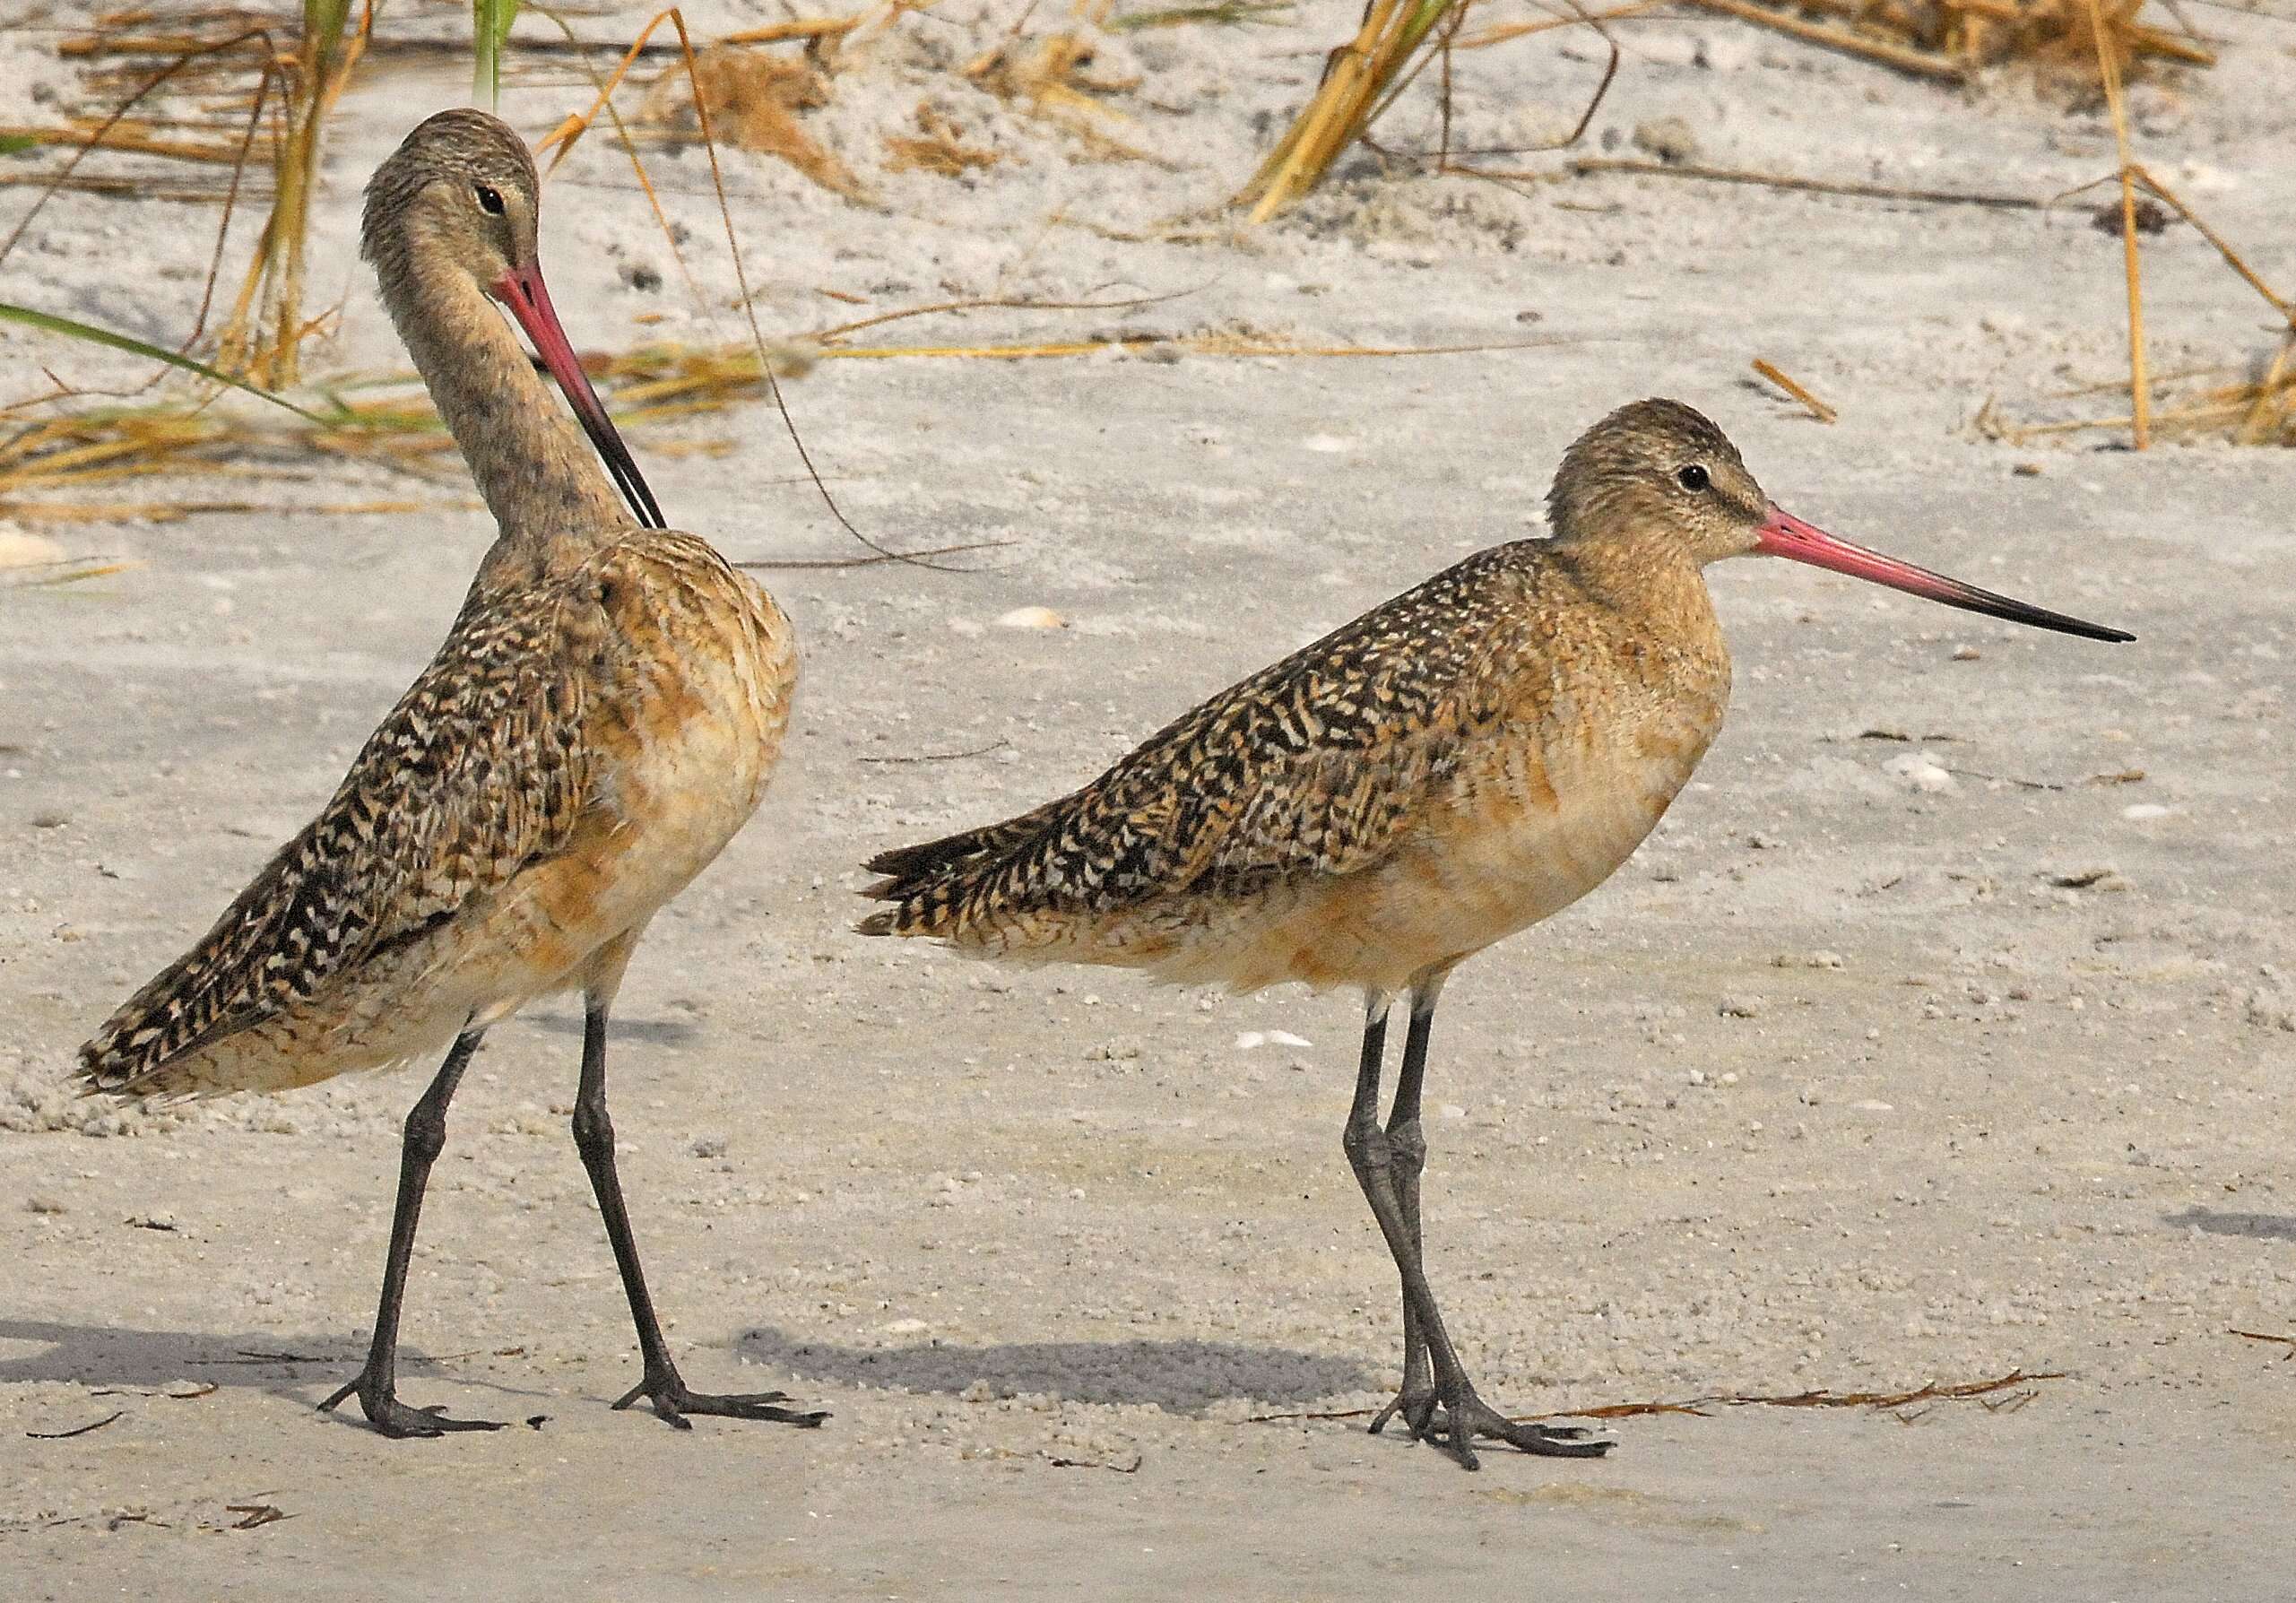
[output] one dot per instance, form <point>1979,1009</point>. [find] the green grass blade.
<point>323,21</point>
<point>1223,14</point>
<point>491,23</point>
<point>90,334</point>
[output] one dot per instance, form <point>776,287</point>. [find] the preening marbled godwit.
<point>602,719</point>
<point>1450,767</point>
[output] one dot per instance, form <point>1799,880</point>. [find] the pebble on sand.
<point>1667,138</point>
<point>1921,771</point>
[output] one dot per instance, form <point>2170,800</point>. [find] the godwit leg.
<point>594,1137</point>
<point>377,1383</point>
<point>1371,1153</point>
<point>1407,1148</point>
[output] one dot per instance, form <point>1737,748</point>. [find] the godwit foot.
<point>674,1402</point>
<point>399,1420</point>
<point>1453,1419</point>
<point>1414,1403</point>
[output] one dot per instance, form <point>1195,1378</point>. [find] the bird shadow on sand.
<point>1182,1377</point>
<point>287,1367</point>
<point>2256,1226</point>
<point>653,1032</point>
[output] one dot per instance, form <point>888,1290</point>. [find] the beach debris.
<point>1951,42</point>
<point>1031,618</point>
<point>1667,138</point>
<point>77,1430</point>
<point>1811,403</point>
<point>755,97</point>
<point>1921,771</point>
<point>20,549</point>
<point>938,146</point>
<point>2003,1394</point>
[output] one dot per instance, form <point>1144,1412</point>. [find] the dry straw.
<point>1360,79</point>
<point>1953,40</point>
<point>1947,41</point>
<point>263,337</point>
<point>2258,409</point>
<point>388,422</point>
<point>49,466</point>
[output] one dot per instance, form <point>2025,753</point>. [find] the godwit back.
<point>603,717</point>
<point>1448,768</point>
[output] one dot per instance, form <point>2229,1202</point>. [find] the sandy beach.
<point>1943,1032</point>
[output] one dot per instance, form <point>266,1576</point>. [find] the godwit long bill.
<point>602,718</point>
<point>1450,767</point>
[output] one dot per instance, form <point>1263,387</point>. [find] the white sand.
<point>1852,1079</point>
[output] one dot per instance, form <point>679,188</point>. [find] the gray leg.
<point>1371,1153</point>
<point>594,1139</point>
<point>1407,1148</point>
<point>376,1384</point>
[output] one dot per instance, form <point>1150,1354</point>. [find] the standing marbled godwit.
<point>1450,767</point>
<point>602,719</point>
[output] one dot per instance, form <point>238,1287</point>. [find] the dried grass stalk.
<point>1811,403</point>
<point>266,347</point>
<point>2257,410</point>
<point>941,149</point>
<point>1358,81</point>
<point>755,97</point>
<point>1951,40</point>
<point>2109,68</point>
<point>1051,78</point>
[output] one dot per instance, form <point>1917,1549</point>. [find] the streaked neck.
<point>1645,574</point>
<point>534,466</point>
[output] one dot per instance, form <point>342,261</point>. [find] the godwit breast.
<point>602,719</point>
<point>1450,767</point>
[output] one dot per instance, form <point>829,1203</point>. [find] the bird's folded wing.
<point>1283,777</point>
<point>1311,766</point>
<point>481,768</point>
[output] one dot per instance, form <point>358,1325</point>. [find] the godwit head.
<point>1659,470</point>
<point>460,198</point>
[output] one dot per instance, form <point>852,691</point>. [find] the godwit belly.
<point>1515,840</point>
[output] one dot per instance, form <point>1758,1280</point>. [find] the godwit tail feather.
<point>481,768</point>
<point>905,868</point>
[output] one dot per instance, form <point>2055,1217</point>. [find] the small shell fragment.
<point>20,549</point>
<point>1032,617</point>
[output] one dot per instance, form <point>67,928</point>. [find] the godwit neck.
<point>450,228</point>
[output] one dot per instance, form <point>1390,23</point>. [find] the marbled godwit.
<point>1450,767</point>
<point>602,719</point>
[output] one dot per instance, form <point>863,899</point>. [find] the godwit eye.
<point>1691,478</point>
<point>489,200</point>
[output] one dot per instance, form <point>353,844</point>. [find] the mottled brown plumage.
<point>1448,768</point>
<point>481,769</point>
<point>568,728</point>
<point>1234,845</point>
<point>1296,827</point>
<point>602,718</point>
